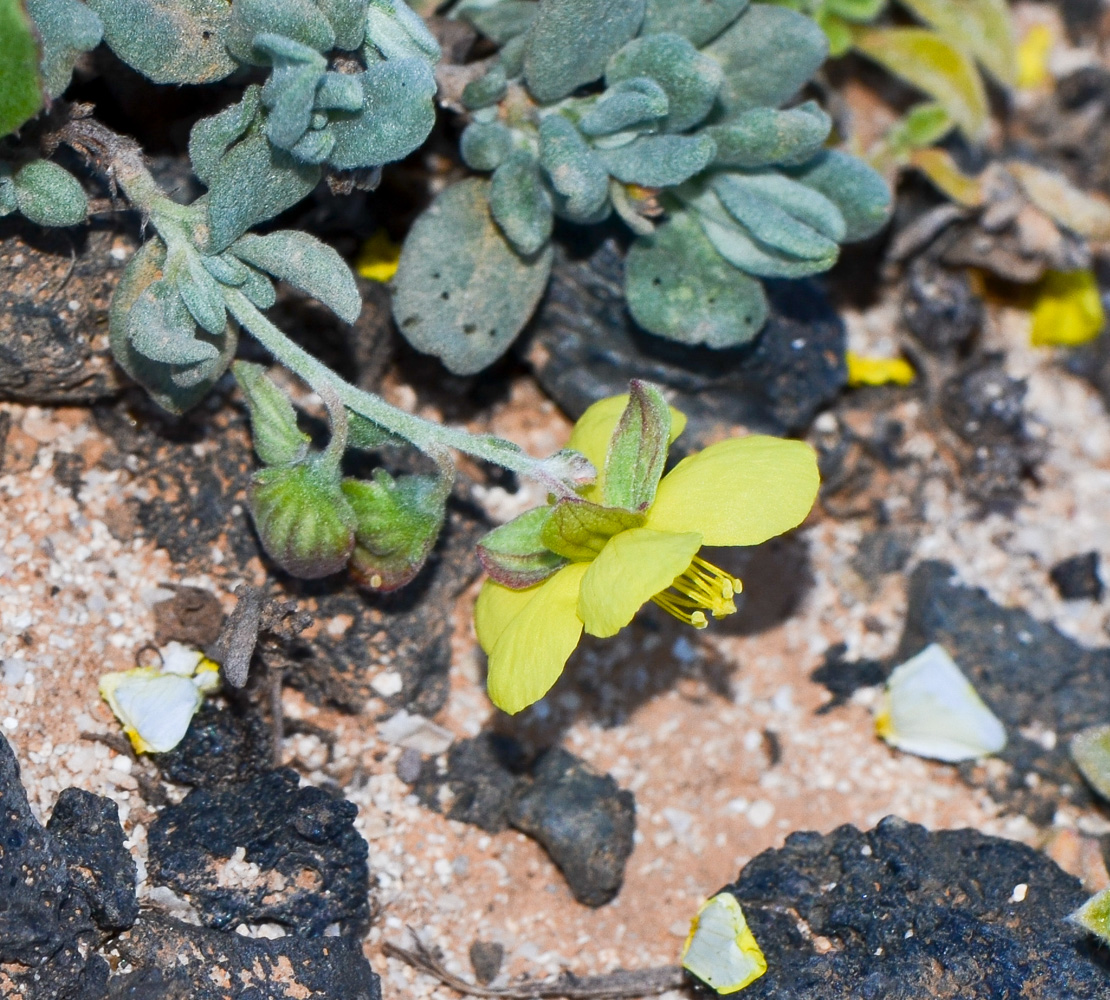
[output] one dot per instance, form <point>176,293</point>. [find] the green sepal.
<point>397,522</point>
<point>514,553</point>
<point>578,529</point>
<point>277,438</point>
<point>638,449</point>
<point>303,519</point>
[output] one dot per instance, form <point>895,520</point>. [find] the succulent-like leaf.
<point>348,21</point>
<point>700,21</point>
<point>502,21</point>
<point>485,145</point>
<point>462,293</point>
<point>307,264</point>
<point>253,181</point>
<point>572,40</point>
<point>169,41</point>
<point>49,195</point>
<point>659,160</point>
<point>398,33</point>
<point>767,55</point>
<point>397,522</point>
<point>762,136</point>
<point>201,294</point>
<point>638,449</point>
<point>626,105</point>
<point>290,93</point>
<point>298,20</point>
<point>982,27</point>
<point>689,79</point>
<point>679,287</point>
<point>514,554</point>
<point>573,168</point>
<point>396,117</point>
<point>925,60</point>
<point>486,90</point>
<point>521,204</point>
<point>210,137</point>
<point>20,84</point>
<point>578,529</point>
<point>855,188</point>
<point>277,438</point>
<point>66,29</point>
<point>226,269</point>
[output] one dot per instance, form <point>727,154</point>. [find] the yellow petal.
<point>878,371</point>
<point>379,257</point>
<point>498,605</point>
<point>533,646</point>
<point>721,949</point>
<point>594,430</point>
<point>738,492</point>
<point>634,566</point>
<point>1067,310</point>
<point>1032,57</point>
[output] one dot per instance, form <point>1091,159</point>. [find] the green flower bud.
<point>305,524</point>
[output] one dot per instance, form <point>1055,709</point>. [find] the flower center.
<point>702,587</point>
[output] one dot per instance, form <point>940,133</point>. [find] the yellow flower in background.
<point>863,370</point>
<point>1067,309</point>
<point>591,562</point>
<point>379,258</point>
<point>1032,57</point>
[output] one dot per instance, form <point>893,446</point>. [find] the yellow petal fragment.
<point>1094,915</point>
<point>721,949</point>
<point>379,257</point>
<point>155,708</point>
<point>497,605</point>
<point>1090,749</point>
<point>937,164</point>
<point>738,492</point>
<point>532,649</point>
<point>1032,57</point>
<point>1084,212</point>
<point>863,370</point>
<point>594,429</point>
<point>634,566</point>
<point>1067,310</point>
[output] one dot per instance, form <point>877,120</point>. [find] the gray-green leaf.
<point>521,204</point>
<point>855,188</point>
<point>700,21</point>
<point>689,79</point>
<point>348,21</point>
<point>461,292</point>
<point>160,327</point>
<point>211,137</point>
<point>49,195</point>
<point>398,33</point>
<point>66,29</point>
<point>659,160</point>
<point>485,145</point>
<point>626,105</point>
<point>574,169</point>
<point>277,438</point>
<point>572,40</point>
<point>299,20</point>
<point>307,264</point>
<point>502,21</point>
<point>679,287</point>
<point>201,294</point>
<point>762,136</point>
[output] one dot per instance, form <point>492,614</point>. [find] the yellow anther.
<point>701,586</point>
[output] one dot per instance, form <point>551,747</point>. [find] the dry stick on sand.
<point>619,985</point>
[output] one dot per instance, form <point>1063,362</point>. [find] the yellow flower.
<point>611,557</point>
<point>379,257</point>
<point>1067,310</point>
<point>863,370</point>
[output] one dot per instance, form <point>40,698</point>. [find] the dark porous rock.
<point>843,677</point>
<point>585,346</point>
<point>193,616</point>
<point>87,828</point>
<point>939,306</point>
<point>175,961</point>
<point>55,286</point>
<point>486,958</point>
<point>477,782</point>
<point>985,407</point>
<point>1077,578</point>
<point>311,862</point>
<point>582,819</point>
<point>233,743</point>
<point>69,470</point>
<point>905,914</point>
<point>1033,677</point>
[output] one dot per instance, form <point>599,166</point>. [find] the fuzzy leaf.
<point>348,21</point>
<point>659,160</point>
<point>299,20</point>
<point>626,105</point>
<point>485,145</point>
<point>462,293</point>
<point>307,264</point>
<point>396,117</point>
<point>49,195</point>
<point>67,29</point>
<point>572,40</point>
<point>161,328</point>
<point>689,79</point>
<point>762,137</point>
<point>290,92</point>
<point>339,92</point>
<point>254,181</point>
<point>767,55</point>
<point>521,204</point>
<point>982,27</point>
<point>926,61</point>
<point>210,137</point>
<point>486,90</point>
<point>514,554</point>
<point>277,438</point>
<point>502,21</point>
<point>20,86</point>
<point>701,22</point>
<point>397,33</point>
<point>855,188</point>
<point>679,287</point>
<point>578,529</point>
<point>169,41</point>
<point>574,169</point>
<point>638,449</point>
<point>201,294</point>
<point>8,203</point>
<point>226,269</point>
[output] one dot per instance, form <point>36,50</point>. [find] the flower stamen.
<point>702,587</point>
